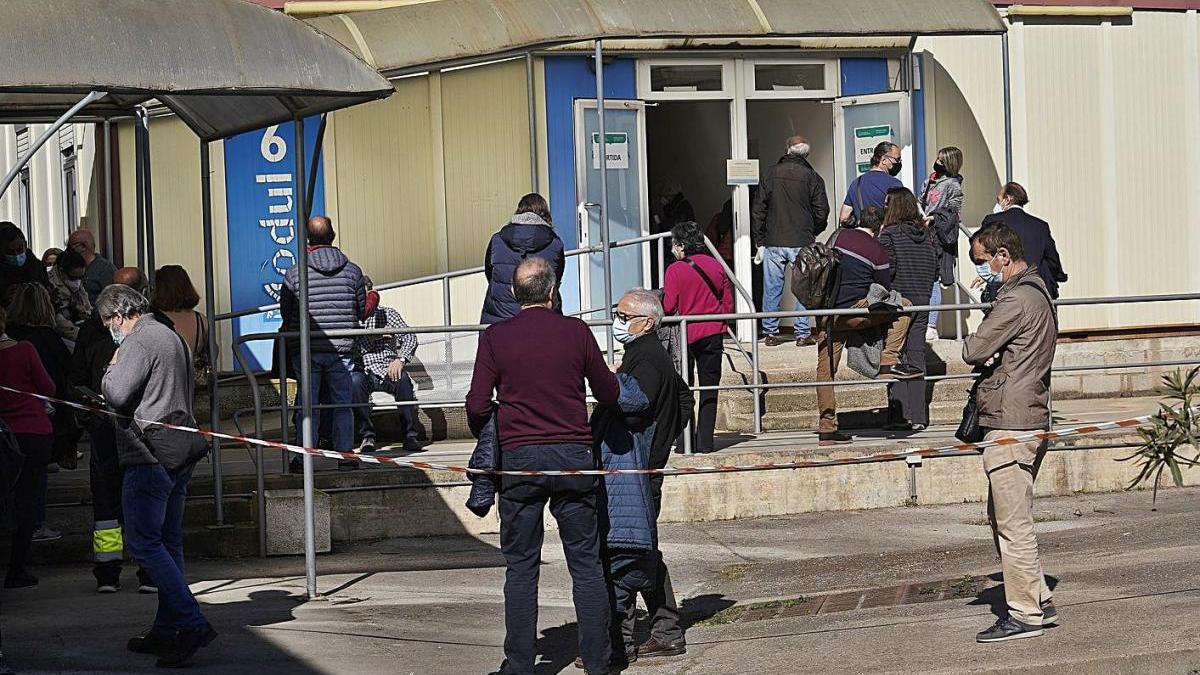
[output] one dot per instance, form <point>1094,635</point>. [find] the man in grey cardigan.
<point>150,378</point>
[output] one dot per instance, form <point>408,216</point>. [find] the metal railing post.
<point>284,423</point>
<point>686,370</point>
<point>210,312</point>
<point>306,402</point>
<point>662,263</point>
<point>446,317</point>
<point>758,391</point>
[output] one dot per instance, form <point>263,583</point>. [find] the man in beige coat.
<point>1015,346</point>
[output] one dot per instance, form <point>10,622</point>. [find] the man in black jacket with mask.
<point>638,316</point>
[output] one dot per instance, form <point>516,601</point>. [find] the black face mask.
<point>896,166</point>
<point>939,167</point>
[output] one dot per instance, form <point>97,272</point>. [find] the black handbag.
<point>969,430</point>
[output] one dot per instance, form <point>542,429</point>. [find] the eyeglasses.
<point>629,317</point>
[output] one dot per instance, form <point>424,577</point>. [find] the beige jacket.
<point>1021,332</point>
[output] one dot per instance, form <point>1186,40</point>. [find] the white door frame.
<point>907,152</point>
<point>583,148</point>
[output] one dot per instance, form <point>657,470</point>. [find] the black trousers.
<point>660,596</point>
<point>628,574</point>
<point>37,449</point>
<point>907,398</point>
<point>704,359</point>
<point>105,476</point>
<point>572,502</point>
<point>401,390</point>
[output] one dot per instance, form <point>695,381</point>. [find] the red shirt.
<point>536,363</point>
<point>21,368</point>
<point>685,293</point>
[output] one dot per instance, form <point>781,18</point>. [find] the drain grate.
<point>887,596</point>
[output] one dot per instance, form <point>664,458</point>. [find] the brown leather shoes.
<point>652,648</point>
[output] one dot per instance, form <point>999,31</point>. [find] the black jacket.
<point>1040,249</point>
<point>913,251</point>
<point>670,399</point>
<point>791,208</point>
<point>33,271</point>
<point>337,298</point>
<point>526,235</point>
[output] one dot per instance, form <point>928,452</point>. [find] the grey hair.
<point>646,303</point>
<point>121,300</point>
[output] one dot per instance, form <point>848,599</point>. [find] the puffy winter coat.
<point>484,486</point>
<point>337,298</point>
<point>524,236</point>
<point>626,497</point>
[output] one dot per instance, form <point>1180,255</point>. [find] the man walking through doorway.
<point>790,211</point>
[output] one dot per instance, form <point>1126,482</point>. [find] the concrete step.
<point>940,412</point>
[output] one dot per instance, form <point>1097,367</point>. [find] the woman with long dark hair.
<point>913,250</point>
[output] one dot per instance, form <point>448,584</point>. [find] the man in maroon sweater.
<point>536,364</point>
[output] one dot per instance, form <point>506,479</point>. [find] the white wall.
<point>48,228</point>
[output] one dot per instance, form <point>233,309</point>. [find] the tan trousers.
<point>1011,470</point>
<point>893,342</point>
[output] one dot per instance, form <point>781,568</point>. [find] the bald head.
<point>320,231</point>
<point>131,277</point>
<point>533,283</point>
<point>798,145</point>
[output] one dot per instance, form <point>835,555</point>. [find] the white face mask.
<point>74,284</point>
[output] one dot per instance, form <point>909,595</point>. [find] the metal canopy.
<point>437,32</point>
<point>224,66</point>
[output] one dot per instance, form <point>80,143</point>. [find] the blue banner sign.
<point>260,202</point>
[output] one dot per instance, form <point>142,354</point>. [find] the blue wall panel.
<point>569,78</point>
<point>864,76</point>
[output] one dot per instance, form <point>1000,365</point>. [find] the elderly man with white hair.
<point>791,209</point>
<point>637,319</point>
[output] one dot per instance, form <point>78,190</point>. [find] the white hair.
<point>801,149</point>
<point>646,303</point>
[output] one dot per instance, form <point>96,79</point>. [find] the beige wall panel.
<point>381,180</point>
<point>1149,151</point>
<point>486,135</point>
<point>1064,87</point>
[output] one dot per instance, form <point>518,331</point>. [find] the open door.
<point>628,214</point>
<point>862,122</point>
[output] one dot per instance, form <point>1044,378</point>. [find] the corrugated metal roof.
<point>223,66</point>
<point>448,31</point>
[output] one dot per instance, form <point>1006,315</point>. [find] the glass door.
<point>628,218</point>
<point>862,122</point>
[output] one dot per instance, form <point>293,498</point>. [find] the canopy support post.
<point>139,188</point>
<point>604,233</point>
<point>531,95</point>
<point>1008,142</point>
<point>41,140</point>
<point>109,246</point>
<point>210,312</point>
<point>148,195</point>
<point>307,438</point>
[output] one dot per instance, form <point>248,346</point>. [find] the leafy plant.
<point>1169,436</point>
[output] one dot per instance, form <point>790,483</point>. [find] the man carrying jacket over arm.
<point>535,364</point>
<point>1015,346</point>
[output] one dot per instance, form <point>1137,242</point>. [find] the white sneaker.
<point>931,334</point>
<point>44,533</point>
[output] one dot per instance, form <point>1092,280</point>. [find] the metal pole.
<point>662,263</point>
<point>149,197</point>
<point>41,140</point>
<point>109,246</point>
<point>604,197</point>
<point>686,370</point>
<point>306,410</point>
<point>1008,145</point>
<point>958,336</point>
<point>446,320</point>
<point>312,179</point>
<point>283,401</point>
<point>139,190</point>
<point>530,86</point>
<point>210,311</point>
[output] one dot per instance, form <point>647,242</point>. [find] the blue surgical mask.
<point>117,336</point>
<point>984,270</point>
<point>17,260</point>
<point>621,331</point>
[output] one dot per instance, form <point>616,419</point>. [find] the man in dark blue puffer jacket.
<point>337,298</point>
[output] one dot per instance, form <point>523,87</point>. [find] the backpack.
<point>815,274</point>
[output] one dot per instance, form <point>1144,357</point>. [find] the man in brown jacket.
<point>1015,346</point>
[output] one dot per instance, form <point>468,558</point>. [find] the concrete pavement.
<point>809,593</point>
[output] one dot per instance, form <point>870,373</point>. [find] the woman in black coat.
<point>914,251</point>
<point>528,233</point>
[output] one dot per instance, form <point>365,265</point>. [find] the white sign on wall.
<point>865,140</point>
<point>741,172</point>
<point>616,147</point>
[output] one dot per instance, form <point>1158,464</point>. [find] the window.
<point>70,179</point>
<point>24,194</point>
<point>791,79</point>
<point>682,79</point>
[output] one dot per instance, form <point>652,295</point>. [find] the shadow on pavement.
<point>993,597</point>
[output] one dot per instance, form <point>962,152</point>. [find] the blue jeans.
<point>935,298</point>
<point>775,261</point>
<point>152,502</point>
<point>333,372</point>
